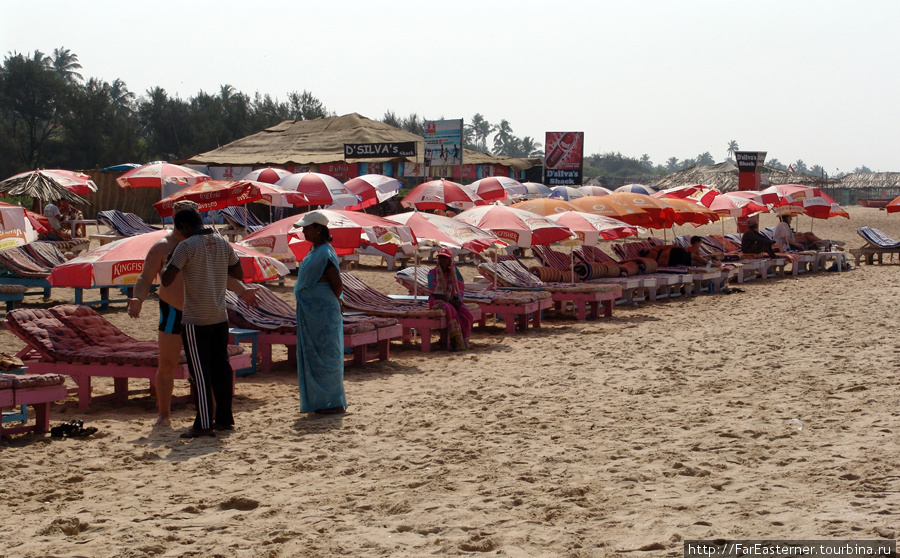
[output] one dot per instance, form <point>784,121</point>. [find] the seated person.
<point>754,242</point>
<point>446,288</point>
<point>68,213</point>
<point>53,214</point>
<point>697,258</point>
<point>668,255</point>
<point>788,240</point>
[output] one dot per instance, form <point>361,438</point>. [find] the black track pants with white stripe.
<point>206,348</point>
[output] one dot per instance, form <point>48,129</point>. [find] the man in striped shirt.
<point>205,260</point>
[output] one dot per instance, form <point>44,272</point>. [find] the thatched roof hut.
<point>724,177</point>
<point>321,141</point>
<point>871,180</point>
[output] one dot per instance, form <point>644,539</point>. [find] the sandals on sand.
<point>201,433</point>
<point>72,429</point>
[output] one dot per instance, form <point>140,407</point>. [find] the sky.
<point>802,80</point>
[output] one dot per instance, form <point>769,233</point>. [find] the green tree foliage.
<point>776,164</point>
<point>705,159</point>
<point>30,107</point>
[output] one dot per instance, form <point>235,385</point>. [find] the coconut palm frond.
<point>37,185</point>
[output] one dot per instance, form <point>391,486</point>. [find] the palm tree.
<point>482,129</point>
<point>672,164</point>
<point>732,147</point>
<point>65,62</point>
<point>645,162</point>
<point>120,97</point>
<point>705,159</point>
<point>503,137</point>
<point>775,164</point>
<point>531,148</point>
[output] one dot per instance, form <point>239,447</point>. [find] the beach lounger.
<point>276,320</point>
<point>241,222</point>
<point>636,285</point>
<point>19,267</point>
<point>82,344</point>
<point>121,225</point>
<point>703,279</point>
<point>877,245</point>
<point>586,298</point>
<point>36,390</point>
<point>515,308</point>
<point>414,315</point>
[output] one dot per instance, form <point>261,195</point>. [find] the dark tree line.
<point>50,117</point>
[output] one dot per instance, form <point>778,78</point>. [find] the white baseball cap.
<point>316,217</point>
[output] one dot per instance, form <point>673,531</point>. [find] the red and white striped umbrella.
<point>730,205</point>
<point>441,194</point>
<point>515,226</point>
<point>594,190</point>
<point>789,193</point>
<point>498,188</point>
<point>372,189</point>
<point>319,189</point>
<point>75,182</point>
<point>590,228</point>
<point>697,192</point>
<point>268,175</point>
<point>823,207</point>
<point>757,197</point>
<point>447,231</point>
<point>350,229</point>
<point>121,263</point>
<point>277,196</point>
<point>210,195</point>
<point>159,175</point>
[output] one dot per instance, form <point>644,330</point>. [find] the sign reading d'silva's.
<point>379,150</point>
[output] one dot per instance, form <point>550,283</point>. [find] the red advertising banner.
<point>468,171</point>
<point>341,171</point>
<point>565,157</point>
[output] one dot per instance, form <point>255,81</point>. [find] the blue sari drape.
<point>320,334</point>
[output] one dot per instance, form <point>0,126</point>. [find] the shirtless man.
<point>171,302</point>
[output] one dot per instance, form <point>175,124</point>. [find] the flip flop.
<point>191,433</point>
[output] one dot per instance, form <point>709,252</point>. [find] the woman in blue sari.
<point>320,328</point>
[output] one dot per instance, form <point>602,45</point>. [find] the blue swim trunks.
<point>169,319</point>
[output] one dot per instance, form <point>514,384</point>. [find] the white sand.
<point>672,420</point>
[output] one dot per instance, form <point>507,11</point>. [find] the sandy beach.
<point>766,414</point>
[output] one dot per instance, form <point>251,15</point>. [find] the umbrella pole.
<point>495,268</point>
<point>572,264</point>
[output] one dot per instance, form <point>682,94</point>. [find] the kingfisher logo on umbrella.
<point>510,235</point>
<point>126,273</point>
<point>266,244</point>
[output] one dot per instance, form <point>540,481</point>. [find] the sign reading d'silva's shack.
<point>379,150</point>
